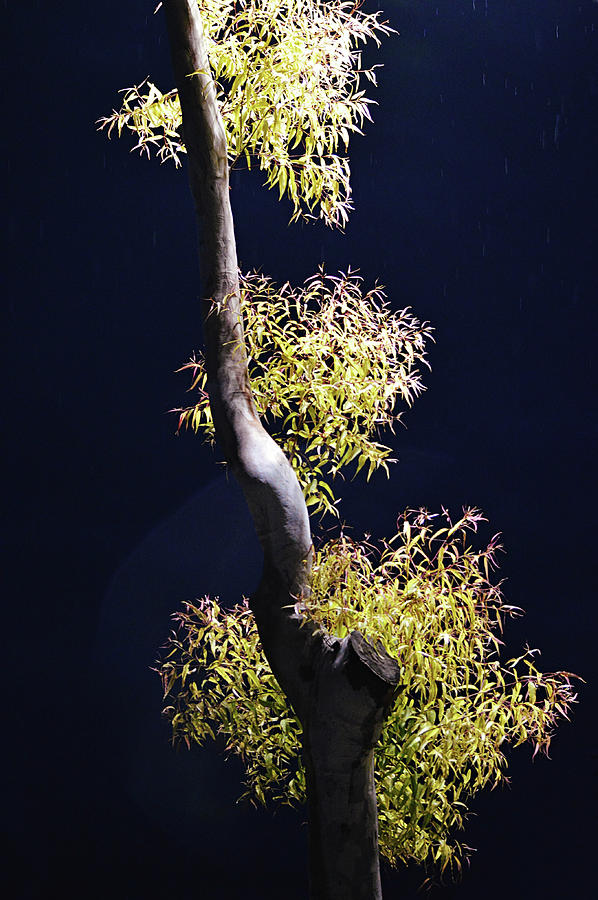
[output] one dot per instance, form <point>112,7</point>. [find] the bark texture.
<point>341,690</point>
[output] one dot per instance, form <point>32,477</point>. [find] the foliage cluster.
<point>287,76</point>
<point>432,601</point>
<point>328,364</point>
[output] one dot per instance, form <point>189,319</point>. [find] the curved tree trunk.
<point>340,690</point>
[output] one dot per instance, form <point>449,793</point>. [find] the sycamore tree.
<point>364,681</point>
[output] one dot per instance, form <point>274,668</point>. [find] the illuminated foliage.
<point>432,601</point>
<point>287,75</point>
<point>328,365</point>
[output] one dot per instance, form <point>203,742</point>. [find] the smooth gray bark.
<point>353,692</point>
<point>340,690</point>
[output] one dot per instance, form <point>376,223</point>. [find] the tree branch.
<point>267,478</point>
<point>340,690</point>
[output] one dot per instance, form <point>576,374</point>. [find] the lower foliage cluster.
<point>431,599</point>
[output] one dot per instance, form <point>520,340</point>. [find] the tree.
<point>339,644</point>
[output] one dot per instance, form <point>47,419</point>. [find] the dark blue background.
<point>476,193</point>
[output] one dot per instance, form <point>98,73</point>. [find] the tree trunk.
<point>353,692</point>
<point>340,690</point>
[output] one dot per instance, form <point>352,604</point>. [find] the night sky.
<point>476,192</point>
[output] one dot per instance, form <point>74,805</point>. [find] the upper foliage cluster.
<point>287,76</point>
<point>328,364</point>
<point>430,598</point>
